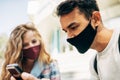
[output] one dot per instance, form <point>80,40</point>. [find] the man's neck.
<point>102,39</point>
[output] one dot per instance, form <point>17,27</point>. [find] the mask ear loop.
<point>95,27</point>
<point>21,56</point>
<point>22,59</point>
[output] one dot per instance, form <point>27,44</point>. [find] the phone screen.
<point>14,72</point>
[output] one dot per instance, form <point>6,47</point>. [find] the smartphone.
<point>15,71</point>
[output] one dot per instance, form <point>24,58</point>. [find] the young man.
<point>81,21</point>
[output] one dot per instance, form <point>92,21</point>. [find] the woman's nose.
<point>31,45</point>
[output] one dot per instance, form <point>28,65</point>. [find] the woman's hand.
<point>27,76</point>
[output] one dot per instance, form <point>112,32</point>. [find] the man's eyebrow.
<point>70,25</point>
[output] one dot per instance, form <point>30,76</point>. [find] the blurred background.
<point>73,65</point>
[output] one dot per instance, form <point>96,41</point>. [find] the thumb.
<point>12,78</point>
<point>27,76</point>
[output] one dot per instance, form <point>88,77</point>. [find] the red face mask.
<point>31,53</point>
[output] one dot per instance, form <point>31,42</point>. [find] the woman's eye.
<point>34,41</point>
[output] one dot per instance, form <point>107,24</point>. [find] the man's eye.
<point>74,27</point>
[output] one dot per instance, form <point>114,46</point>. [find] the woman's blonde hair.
<point>13,52</point>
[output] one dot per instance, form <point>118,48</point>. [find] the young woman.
<point>26,48</point>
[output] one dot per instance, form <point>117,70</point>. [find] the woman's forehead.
<point>29,35</point>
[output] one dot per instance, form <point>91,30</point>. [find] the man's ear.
<point>96,18</point>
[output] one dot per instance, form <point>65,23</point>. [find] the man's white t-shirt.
<point>108,61</point>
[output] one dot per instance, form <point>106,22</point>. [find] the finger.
<point>45,79</point>
<point>12,78</point>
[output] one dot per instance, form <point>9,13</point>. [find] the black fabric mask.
<point>84,40</point>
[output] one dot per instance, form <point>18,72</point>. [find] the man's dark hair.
<point>84,6</point>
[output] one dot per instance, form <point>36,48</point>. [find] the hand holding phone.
<point>15,71</point>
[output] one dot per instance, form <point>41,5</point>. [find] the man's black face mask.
<point>84,39</point>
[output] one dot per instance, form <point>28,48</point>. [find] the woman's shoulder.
<point>53,62</point>
<point>53,65</point>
